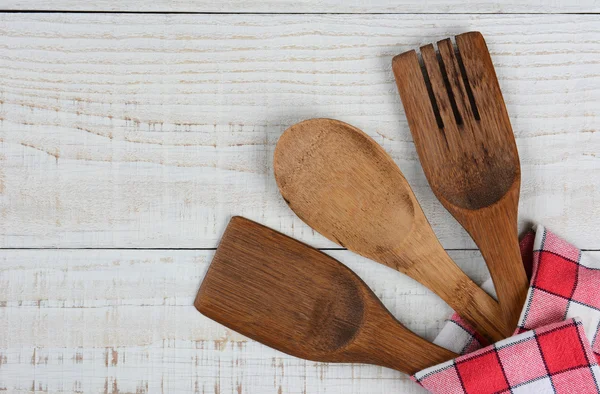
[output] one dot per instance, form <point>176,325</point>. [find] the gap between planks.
<point>61,11</point>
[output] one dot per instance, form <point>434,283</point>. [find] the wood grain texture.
<point>108,320</point>
<point>122,131</point>
<point>94,320</point>
<point>298,300</point>
<point>152,130</point>
<point>340,182</point>
<point>311,6</point>
<point>467,149</point>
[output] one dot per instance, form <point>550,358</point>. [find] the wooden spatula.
<point>344,185</point>
<point>466,145</point>
<point>296,299</point>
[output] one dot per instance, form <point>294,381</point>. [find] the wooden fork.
<point>466,146</point>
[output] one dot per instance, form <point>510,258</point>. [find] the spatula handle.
<point>386,342</point>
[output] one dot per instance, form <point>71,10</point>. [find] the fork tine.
<point>483,81</point>
<point>422,114</point>
<point>455,79</point>
<point>445,102</point>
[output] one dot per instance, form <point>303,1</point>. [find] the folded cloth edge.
<point>554,357</point>
<point>457,336</point>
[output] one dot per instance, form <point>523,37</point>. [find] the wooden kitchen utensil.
<point>296,299</point>
<point>344,185</point>
<point>466,145</point>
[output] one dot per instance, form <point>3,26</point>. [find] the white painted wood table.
<point>131,131</point>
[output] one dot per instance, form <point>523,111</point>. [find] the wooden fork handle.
<point>494,230</point>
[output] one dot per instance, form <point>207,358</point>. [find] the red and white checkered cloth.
<point>551,351</point>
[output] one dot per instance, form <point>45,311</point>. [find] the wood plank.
<point>311,6</point>
<point>93,320</point>
<point>123,321</point>
<point>125,131</point>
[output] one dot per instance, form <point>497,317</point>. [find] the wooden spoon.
<point>467,149</point>
<point>296,299</point>
<point>344,185</point>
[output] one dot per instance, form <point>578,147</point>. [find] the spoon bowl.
<point>344,185</point>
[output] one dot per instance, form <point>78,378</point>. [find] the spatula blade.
<point>281,292</point>
<point>293,298</point>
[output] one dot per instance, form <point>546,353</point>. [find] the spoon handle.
<point>469,300</point>
<point>424,259</point>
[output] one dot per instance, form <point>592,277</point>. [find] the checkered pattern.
<point>564,284</point>
<point>556,358</point>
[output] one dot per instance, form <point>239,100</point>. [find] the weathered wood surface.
<point>311,6</point>
<point>151,131</point>
<point>123,321</point>
<point>94,320</point>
